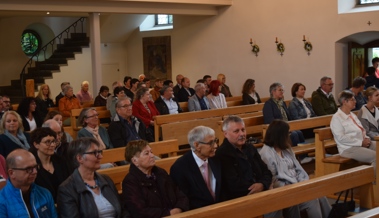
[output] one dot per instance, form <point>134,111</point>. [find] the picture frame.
<point>157,57</point>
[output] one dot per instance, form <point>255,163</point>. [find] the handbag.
<point>341,209</point>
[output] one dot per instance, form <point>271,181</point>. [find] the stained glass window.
<point>30,42</point>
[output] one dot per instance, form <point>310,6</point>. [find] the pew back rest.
<point>169,147</point>
<point>117,174</point>
<point>179,130</point>
<point>313,122</point>
<point>361,177</point>
<point>171,118</point>
<point>184,106</point>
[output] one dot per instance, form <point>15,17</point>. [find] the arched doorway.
<point>360,47</point>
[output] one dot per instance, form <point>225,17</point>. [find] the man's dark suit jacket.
<point>187,176</point>
<point>183,94</point>
<point>241,169</point>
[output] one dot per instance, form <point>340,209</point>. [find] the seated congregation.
<point>56,175</point>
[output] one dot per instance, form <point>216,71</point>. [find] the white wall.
<point>220,44</point>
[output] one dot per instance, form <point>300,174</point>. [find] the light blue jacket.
<point>12,204</point>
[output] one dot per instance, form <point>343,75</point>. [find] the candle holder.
<point>255,48</point>
<point>307,45</point>
<point>279,46</point>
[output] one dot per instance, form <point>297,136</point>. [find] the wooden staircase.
<point>45,69</point>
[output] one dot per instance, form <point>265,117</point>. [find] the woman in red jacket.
<point>144,108</point>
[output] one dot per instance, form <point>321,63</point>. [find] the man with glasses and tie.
<point>323,102</point>
<point>197,173</point>
<point>125,127</point>
<point>21,197</point>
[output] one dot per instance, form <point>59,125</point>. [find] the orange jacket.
<point>66,104</point>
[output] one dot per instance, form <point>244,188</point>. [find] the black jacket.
<point>162,106</point>
<point>183,94</point>
<point>247,99</point>
<point>118,134</point>
<point>75,200</point>
<point>241,169</point>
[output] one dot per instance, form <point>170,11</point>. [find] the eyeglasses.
<point>28,169</point>
<point>48,142</point>
<point>211,143</point>
<point>280,90</point>
<point>127,106</point>
<point>95,115</point>
<point>96,153</point>
<point>352,99</point>
<point>59,133</point>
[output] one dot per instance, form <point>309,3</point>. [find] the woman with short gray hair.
<point>86,193</point>
<point>349,134</point>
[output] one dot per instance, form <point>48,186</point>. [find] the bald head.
<point>54,125</point>
<point>22,169</point>
<point>16,157</point>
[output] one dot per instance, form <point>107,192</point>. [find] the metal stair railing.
<point>51,44</point>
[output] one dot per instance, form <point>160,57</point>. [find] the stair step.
<point>76,42</point>
<point>56,61</point>
<point>45,74</point>
<point>74,49</point>
<point>36,71</point>
<point>45,66</point>
<point>67,55</point>
<point>78,35</point>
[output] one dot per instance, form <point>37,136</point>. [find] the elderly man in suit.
<point>198,101</point>
<point>197,173</point>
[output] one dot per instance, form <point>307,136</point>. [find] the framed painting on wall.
<point>157,57</point>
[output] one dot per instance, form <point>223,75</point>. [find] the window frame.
<point>165,24</point>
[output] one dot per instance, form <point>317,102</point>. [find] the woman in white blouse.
<point>369,113</point>
<point>216,98</point>
<point>349,134</point>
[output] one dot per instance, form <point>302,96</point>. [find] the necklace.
<point>90,186</point>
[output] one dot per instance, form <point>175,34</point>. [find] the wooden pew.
<point>53,109</point>
<point>234,103</point>
<point>184,106</point>
<point>171,118</point>
<point>276,199</point>
<point>326,165</point>
<point>179,130</point>
<point>373,213</point>
<point>234,98</point>
<point>14,107</point>
<point>117,174</point>
<point>169,147</point>
<point>87,104</point>
<point>314,122</point>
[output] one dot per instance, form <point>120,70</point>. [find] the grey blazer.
<point>194,105</point>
